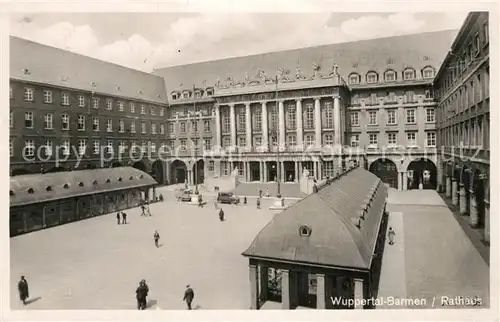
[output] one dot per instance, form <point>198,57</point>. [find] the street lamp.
<point>274,135</point>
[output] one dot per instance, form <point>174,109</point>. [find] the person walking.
<point>118,217</point>
<point>267,192</point>
<point>188,296</point>
<point>260,193</point>
<point>258,203</point>
<point>141,295</point>
<point>156,237</point>
<point>23,289</point>
<point>391,236</point>
<point>221,215</point>
<point>124,218</point>
<point>143,208</point>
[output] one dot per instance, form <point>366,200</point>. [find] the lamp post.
<point>274,135</point>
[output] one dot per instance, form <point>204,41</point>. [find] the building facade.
<point>463,121</point>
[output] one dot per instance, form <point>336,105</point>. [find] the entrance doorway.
<point>422,171</point>
<point>178,172</point>
<point>386,170</point>
<point>272,171</point>
<point>290,174</point>
<point>254,171</point>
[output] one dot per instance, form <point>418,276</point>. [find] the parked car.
<point>227,197</point>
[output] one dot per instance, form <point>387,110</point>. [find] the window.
<point>95,102</point>
<point>47,96</point>
<point>174,96</point>
<point>82,146</point>
<point>81,101</point>
<point>171,128</point>
<point>183,127</point>
<point>241,121</point>
<point>354,140</point>
<point>185,95</point>
<point>354,119</point>
<point>409,74</point>
<point>430,115</point>
<point>65,147</point>
<point>109,147</point>
<point>97,147</point>
<point>197,94</point>
<point>273,119</point>
<point>226,123</point>
<point>133,146</point>
<point>309,116</point>
<point>11,148</point>
<point>143,127</point>
<point>162,128</point>
<point>328,139</point>
<point>428,93</point>
<point>95,124</point>
<point>258,141</point>
<point>258,121</point>
<point>28,120</point>
<point>152,110</point>
<point>143,147</point>
<point>290,140</point>
<point>225,168</point>
<point>392,138</point>
<point>152,146</point>
<point>194,127</point>
<point>354,79</point>
<point>211,166</point>
<point>373,138</point>
<point>172,145</point>
<point>48,148</point>
<point>49,121</point>
<point>81,123</point>
<point>291,117</point>
<point>120,106</point>
<point>121,126</point>
<point>309,140</point>
<point>153,128</point>
<point>132,127</point>
<point>183,145</point>
<point>132,107</point>
<point>162,111</point>
<point>65,122</point>
<point>121,147</point>
<point>410,116</point>
<point>109,125</point>
<point>143,109</point>
<point>206,126</point>
<point>210,92</point>
<point>328,115</point>
<point>391,117</point>
<point>226,142</point>
<point>428,73</point>
<point>430,139</point>
<point>372,118</point>
<point>390,76</point>
<point>28,94</point>
<point>29,148</point>
<point>109,105</point>
<point>411,139</point>
<point>65,99</point>
<point>242,141</point>
<point>371,77</point>
<point>208,144</point>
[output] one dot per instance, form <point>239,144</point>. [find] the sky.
<point>145,41</point>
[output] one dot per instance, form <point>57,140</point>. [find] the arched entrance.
<point>386,170</point>
<point>422,171</point>
<point>199,172</point>
<point>140,165</point>
<point>178,172</point>
<point>157,172</point>
<point>19,172</point>
<point>56,169</point>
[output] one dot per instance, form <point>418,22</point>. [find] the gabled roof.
<point>59,67</point>
<point>69,184</point>
<point>416,51</point>
<point>331,215</point>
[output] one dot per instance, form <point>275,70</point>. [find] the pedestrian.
<point>124,218</point>
<point>156,237</point>
<point>188,296</point>
<point>118,217</point>
<point>161,197</point>
<point>200,202</point>
<point>290,178</point>
<point>267,192</point>
<point>260,193</point>
<point>391,236</point>
<point>141,295</point>
<point>258,203</point>
<point>245,200</point>
<point>22,287</point>
<point>221,215</point>
<point>143,208</point>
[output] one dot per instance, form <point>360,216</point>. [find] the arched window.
<point>409,74</point>
<point>354,78</point>
<point>428,72</point>
<point>371,77</point>
<point>390,75</point>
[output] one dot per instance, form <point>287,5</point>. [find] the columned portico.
<point>317,122</point>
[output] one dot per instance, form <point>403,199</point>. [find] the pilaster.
<point>300,130</point>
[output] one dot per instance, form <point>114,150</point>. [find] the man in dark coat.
<point>156,237</point>
<point>124,218</point>
<point>22,286</point>
<point>188,296</point>
<point>141,295</point>
<point>143,209</point>
<point>221,215</point>
<point>118,217</point>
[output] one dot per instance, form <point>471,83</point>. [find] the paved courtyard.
<point>96,264</point>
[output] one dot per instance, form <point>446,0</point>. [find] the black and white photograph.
<point>192,160</point>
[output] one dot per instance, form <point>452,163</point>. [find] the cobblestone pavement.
<point>97,264</point>
<point>440,263</point>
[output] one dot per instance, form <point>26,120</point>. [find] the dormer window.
<point>131,178</point>
<point>80,184</point>
<point>304,231</point>
<point>197,94</point>
<point>409,74</point>
<point>390,76</point>
<point>31,191</point>
<point>108,181</point>
<point>428,73</point>
<point>66,186</point>
<point>210,92</point>
<point>120,179</point>
<point>49,188</point>
<point>371,77</point>
<point>95,183</point>
<point>354,79</point>
<point>174,96</point>
<point>185,95</point>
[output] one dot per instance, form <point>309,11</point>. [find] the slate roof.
<point>79,183</point>
<point>332,215</point>
<point>59,67</point>
<point>416,51</point>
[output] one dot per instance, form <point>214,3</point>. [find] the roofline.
<point>378,229</point>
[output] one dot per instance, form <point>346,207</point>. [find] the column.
<point>320,292</point>
<point>315,169</point>
<point>254,288</point>
<point>231,167</point>
<point>217,126</point>
<point>265,130</point>
<point>337,137</point>
<point>233,125</point>
<point>358,293</point>
<point>264,282</point>
<point>297,174</point>
<point>400,181</point>
<point>448,187</point>
<point>317,121</point>
<point>264,163</point>
<point>245,173</point>
<point>300,133</point>
<point>320,170</point>
<point>473,217</point>
<point>248,125</point>
<point>261,172</point>
<point>454,192</point>
<point>439,175</point>
<point>281,122</point>
<point>285,289</point>
<point>301,170</point>
<point>463,202</point>
<point>405,180</point>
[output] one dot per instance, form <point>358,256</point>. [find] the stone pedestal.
<point>473,217</point>
<point>448,187</point>
<point>454,192</point>
<point>463,201</point>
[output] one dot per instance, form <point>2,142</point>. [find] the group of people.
<point>142,291</point>
<point>123,217</point>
